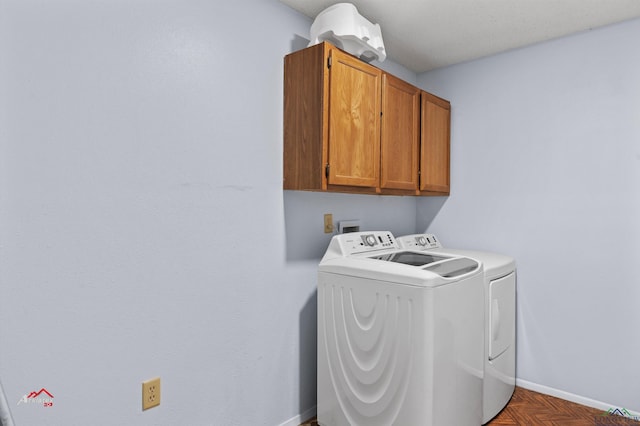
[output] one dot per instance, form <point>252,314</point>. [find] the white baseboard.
<point>569,396</point>
<point>295,421</point>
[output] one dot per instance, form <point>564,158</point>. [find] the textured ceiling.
<point>427,34</point>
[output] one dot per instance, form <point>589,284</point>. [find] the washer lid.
<point>454,267</point>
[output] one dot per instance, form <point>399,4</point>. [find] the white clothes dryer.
<point>500,319</point>
<point>400,335</point>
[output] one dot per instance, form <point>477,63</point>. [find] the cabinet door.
<point>305,132</point>
<point>354,122</point>
<point>434,156</point>
<point>400,134</point>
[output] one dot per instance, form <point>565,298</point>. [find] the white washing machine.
<point>500,319</point>
<point>400,335</point>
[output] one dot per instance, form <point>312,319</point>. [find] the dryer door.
<point>502,314</point>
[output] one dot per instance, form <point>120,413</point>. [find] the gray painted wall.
<point>546,167</point>
<point>143,227</point>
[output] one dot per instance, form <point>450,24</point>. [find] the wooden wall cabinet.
<point>435,145</point>
<point>350,127</point>
<point>400,141</point>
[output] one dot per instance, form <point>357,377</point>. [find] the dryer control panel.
<point>362,242</point>
<point>419,242</point>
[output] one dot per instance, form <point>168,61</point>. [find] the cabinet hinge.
<point>329,62</point>
<point>326,171</point>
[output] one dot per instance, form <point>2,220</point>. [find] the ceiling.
<point>426,34</point>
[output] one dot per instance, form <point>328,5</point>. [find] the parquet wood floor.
<point>532,408</point>
<point>529,408</point>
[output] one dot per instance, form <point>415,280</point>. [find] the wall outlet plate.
<point>151,393</point>
<point>328,223</point>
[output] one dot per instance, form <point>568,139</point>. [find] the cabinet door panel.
<point>304,130</point>
<point>354,122</point>
<point>400,134</point>
<point>434,157</point>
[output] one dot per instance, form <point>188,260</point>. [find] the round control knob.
<point>422,241</point>
<point>370,240</point>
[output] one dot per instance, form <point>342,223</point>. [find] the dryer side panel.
<point>502,314</point>
<point>500,359</point>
